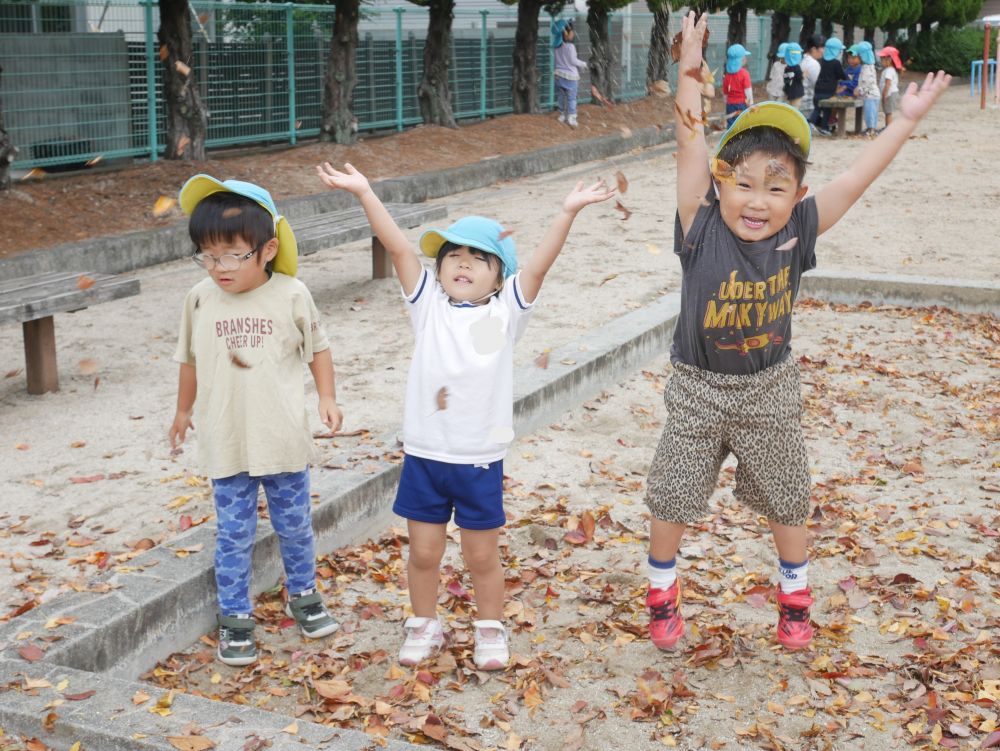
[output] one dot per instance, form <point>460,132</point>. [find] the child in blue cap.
<point>458,421</point>
<point>566,69</point>
<point>744,233</point>
<point>736,83</point>
<point>867,89</point>
<point>794,83</point>
<point>831,72</point>
<point>245,331</point>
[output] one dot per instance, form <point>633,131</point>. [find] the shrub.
<point>948,49</point>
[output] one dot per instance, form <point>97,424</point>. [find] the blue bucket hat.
<point>865,51</point>
<point>559,25</point>
<point>199,187</point>
<point>793,54</point>
<point>780,52</point>
<point>474,232</point>
<point>832,49</point>
<point>734,57</point>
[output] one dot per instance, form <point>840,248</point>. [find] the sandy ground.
<point>88,473</point>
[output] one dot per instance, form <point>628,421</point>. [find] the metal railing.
<point>82,79</point>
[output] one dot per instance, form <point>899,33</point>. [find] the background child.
<point>736,83</point>
<point>246,329</point>
<point>458,420</point>
<point>810,72</point>
<point>830,72</point>
<point>889,86</point>
<point>776,81</point>
<point>566,71</point>
<point>852,70</point>
<point>793,84</point>
<point>744,235</point>
<point>867,89</point>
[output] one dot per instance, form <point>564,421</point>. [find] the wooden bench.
<point>841,104</point>
<point>348,225</point>
<point>33,300</point>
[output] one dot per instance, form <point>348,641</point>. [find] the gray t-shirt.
<point>737,297</point>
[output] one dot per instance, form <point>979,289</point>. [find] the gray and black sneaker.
<point>237,645</point>
<point>310,613</point>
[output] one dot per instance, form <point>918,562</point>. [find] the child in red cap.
<point>744,234</point>
<point>889,85</point>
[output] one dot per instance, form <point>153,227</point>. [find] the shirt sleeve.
<point>418,302</point>
<point>184,353</point>
<point>805,217</point>
<point>520,311</point>
<point>308,322</point>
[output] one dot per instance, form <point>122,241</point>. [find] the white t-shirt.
<point>891,75</point>
<point>248,350</point>
<point>810,73</point>
<point>460,390</point>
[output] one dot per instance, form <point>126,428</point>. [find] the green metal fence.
<point>82,80</point>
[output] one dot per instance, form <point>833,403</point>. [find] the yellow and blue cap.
<point>199,187</point>
<point>784,117</point>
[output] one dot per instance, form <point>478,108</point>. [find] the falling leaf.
<point>442,398</point>
<point>190,742</point>
<point>595,92</point>
<point>182,143</point>
<point>238,361</point>
<point>77,444</point>
<point>85,282</point>
<point>622,181</point>
<point>542,361</point>
<point>789,245</point>
<point>505,234</point>
<point>182,68</point>
<point>163,205</point>
<point>723,171</point>
<point>164,53</point>
<point>608,278</point>
<point>95,161</point>
<point>626,213</point>
<point>22,446</point>
<point>32,174</point>
<point>88,366</point>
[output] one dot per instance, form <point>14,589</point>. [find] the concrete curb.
<point>165,603</point>
<point>115,254</point>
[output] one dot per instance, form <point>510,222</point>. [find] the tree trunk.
<point>848,39</point>
<point>826,27</point>
<point>187,123</point>
<point>7,150</point>
<point>602,54</point>
<point>737,33</point>
<point>659,47</point>
<point>808,29</point>
<point>524,87</point>
<point>870,35</point>
<point>338,123</point>
<point>433,92</point>
<point>781,25</point>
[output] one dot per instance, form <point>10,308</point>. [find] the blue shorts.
<point>429,490</point>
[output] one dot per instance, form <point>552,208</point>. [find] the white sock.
<point>794,576</point>
<point>662,574</point>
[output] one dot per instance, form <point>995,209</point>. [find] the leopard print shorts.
<point>757,418</point>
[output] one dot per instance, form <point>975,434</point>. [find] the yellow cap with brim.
<point>200,187</point>
<point>778,115</point>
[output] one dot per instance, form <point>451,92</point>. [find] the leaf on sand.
<point>88,366</point>
<point>622,181</point>
<point>190,742</point>
<point>31,652</point>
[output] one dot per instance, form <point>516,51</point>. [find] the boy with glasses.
<point>245,331</point>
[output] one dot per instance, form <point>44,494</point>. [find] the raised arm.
<point>835,198</point>
<point>541,260</point>
<point>693,176</point>
<point>404,258</point>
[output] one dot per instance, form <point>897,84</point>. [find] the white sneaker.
<point>561,118</point>
<point>424,637</point>
<point>491,645</point>
<point>571,121</point>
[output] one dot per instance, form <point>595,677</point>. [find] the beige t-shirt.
<point>248,350</point>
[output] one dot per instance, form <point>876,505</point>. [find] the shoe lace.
<point>664,611</point>
<point>235,634</point>
<point>315,610</point>
<point>792,613</point>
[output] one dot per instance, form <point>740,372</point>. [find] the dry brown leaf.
<point>238,361</point>
<point>622,181</point>
<point>190,742</point>
<point>626,213</point>
<point>85,282</point>
<point>88,366</point>
<point>163,205</point>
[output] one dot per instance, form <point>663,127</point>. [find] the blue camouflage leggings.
<point>236,509</point>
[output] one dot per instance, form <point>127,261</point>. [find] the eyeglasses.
<point>226,262</point>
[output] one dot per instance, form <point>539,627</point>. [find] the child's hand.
<point>691,40</point>
<point>182,423</point>
<point>914,104</point>
<point>581,196</point>
<point>350,180</point>
<point>330,414</point>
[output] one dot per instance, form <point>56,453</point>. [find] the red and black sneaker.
<point>666,626</point>
<point>794,629</point>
